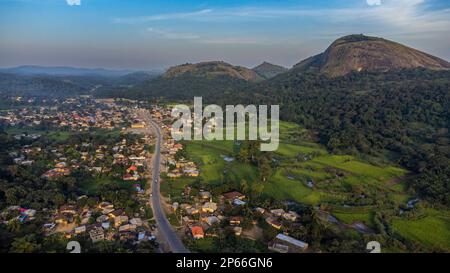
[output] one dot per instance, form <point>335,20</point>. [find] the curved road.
<point>164,226</point>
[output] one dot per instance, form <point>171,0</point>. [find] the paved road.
<point>164,226</point>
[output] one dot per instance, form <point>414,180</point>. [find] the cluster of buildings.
<point>77,114</point>
<point>175,166</point>
<point>181,167</point>
<point>102,222</point>
<point>17,213</point>
<point>204,218</point>
<point>200,216</point>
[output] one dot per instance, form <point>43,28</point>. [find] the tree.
<point>25,244</point>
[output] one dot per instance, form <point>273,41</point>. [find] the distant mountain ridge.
<point>364,53</point>
<point>268,70</point>
<point>213,69</point>
<point>65,71</point>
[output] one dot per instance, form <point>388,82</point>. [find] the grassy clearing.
<point>289,180</point>
<point>291,150</point>
<point>432,230</point>
<point>93,185</point>
<point>350,164</point>
<point>50,134</point>
<point>352,217</point>
<point>282,188</point>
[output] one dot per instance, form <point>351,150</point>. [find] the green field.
<point>93,185</point>
<point>431,230</point>
<point>58,135</point>
<point>50,134</point>
<point>352,217</point>
<point>289,180</point>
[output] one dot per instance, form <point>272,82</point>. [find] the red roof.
<point>233,195</point>
<point>197,231</point>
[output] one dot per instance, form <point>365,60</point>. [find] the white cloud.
<point>164,17</point>
<point>374,2</point>
<point>172,35</point>
<point>392,18</point>
<point>73,2</point>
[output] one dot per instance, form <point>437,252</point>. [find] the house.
<point>105,205</point>
<point>273,222</point>
<point>238,202</point>
<point>105,225</point>
<point>133,168</point>
<point>288,244</point>
<point>29,212</point>
<point>192,211</point>
<point>126,228</point>
<point>290,216</point>
<point>141,236</point>
<point>211,220</point>
<point>197,232</point>
<point>116,213</point>
<point>107,211</point>
<point>136,221</point>
<point>185,206</point>
<point>209,207</point>
<point>280,248</point>
<point>68,209</point>
<point>129,177</point>
<point>236,220</point>
<point>119,220</point>
<point>231,196</point>
<point>80,229</point>
<point>278,212</point>
<point>140,125</point>
<point>97,234</point>
<point>175,206</point>
<point>237,231</point>
<point>174,174</point>
<point>206,195</point>
<point>260,210</point>
<point>102,218</point>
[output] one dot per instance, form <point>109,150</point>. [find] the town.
<point>89,147</point>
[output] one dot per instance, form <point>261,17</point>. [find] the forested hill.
<point>66,85</point>
<point>268,70</point>
<point>13,84</point>
<point>180,88</point>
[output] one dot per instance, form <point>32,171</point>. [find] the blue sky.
<point>149,34</point>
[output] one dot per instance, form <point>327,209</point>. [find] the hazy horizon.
<point>150,35</point>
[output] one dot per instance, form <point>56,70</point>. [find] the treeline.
<point>180,88</point>
<point>67,86</point>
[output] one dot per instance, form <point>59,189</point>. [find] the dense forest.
<point>66,85</point>
<point>180,88</point>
